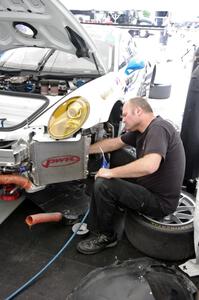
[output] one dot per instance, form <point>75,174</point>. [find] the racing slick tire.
<point>169,239</point>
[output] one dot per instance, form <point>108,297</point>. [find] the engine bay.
<point>45,85</point>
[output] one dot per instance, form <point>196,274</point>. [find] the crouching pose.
<point>150,184</point>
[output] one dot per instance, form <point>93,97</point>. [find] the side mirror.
<point>133,65</point>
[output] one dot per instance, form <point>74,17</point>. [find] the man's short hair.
<point>141,102</point>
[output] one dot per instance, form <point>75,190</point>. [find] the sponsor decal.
<point>60,161</point>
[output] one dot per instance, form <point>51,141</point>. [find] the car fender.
<point>101,94</point>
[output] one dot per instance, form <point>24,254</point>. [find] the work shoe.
<point>96,244</point>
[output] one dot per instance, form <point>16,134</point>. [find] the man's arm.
<point>138,168</point>
<point>107,145</point>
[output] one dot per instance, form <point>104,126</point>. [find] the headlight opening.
<point>68,118</point>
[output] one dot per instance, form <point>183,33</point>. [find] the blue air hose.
<point>33,279</point>
<point>105,164</point>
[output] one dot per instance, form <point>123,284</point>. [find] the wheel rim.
<point>183,214</point>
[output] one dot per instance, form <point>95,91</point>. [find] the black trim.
<point>10,71</point>
<point>46,75</point>
<point>153,75</point>
<point>27,25</point>
<point>78,42</point>
<point>31,117</point>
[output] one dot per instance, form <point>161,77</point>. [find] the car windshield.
<point>104,38</point>
<point>30,58</point>
<point>57,61</point>
<point>64,62</point>
<point>22,58</point>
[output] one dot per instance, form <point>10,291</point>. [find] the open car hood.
<point>45,23</point>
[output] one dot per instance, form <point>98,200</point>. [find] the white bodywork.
<point>50,44</point>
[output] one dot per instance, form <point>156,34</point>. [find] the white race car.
<point>62,86</point>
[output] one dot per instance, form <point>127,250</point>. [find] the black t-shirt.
<point>161,137</point>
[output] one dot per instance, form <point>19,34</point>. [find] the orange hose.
<point>16,179</point>
<point>43,218</point>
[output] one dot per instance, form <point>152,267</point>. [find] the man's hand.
<point>146,165</point>
<point>106,173</point>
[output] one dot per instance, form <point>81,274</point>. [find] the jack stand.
<point>191,267</point>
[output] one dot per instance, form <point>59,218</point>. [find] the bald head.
<point>137,114</point>
<point>140,102</point>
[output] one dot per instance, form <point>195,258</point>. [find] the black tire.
<point>160,91</point>
<point>167,239</point>
<point>116,117</point>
